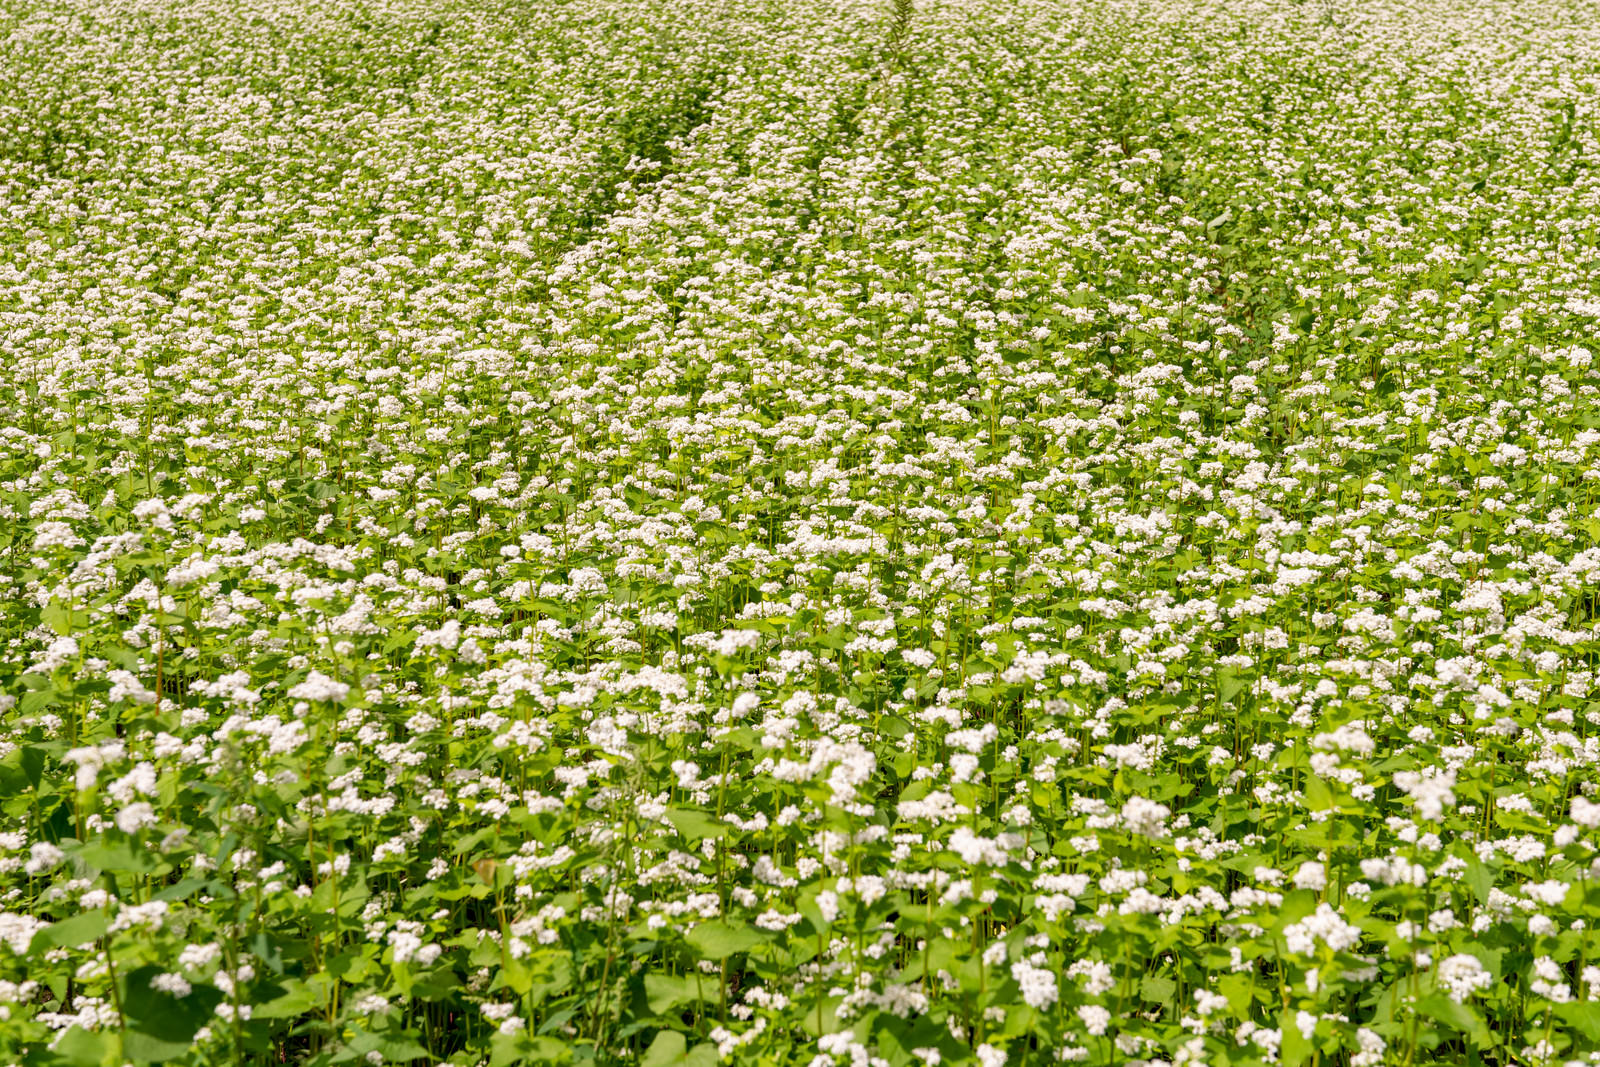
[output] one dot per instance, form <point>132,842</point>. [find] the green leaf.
<point>87,1048</point>
<point>181,890</point>
<point>297,1000</point>
<point>664,992</point>
<point>118,857</point>
<point>266,949</point>
<point>138,1045</point>
<point>162,1018</point>
<point>525,1049</point>
<point>669,1049</point>
<point>1446,1012</point>
<point>1157,989</point>
<point>1583,1016</point>
<point>1238,989</point>
<point>393,1046</point>
<point>1479,879</point>
<point>13,779</point>
<point>1296,1049</point>
<point>549,973</point>
<point>719,939</point>
<point>57,616</point>
<point>38,699</point>
<point>80,929</point>
<point>694,824</point>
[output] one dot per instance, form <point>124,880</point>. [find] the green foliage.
<point>570,533</point>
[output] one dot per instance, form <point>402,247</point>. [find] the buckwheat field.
<point>833,533</point>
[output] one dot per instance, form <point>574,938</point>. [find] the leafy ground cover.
<point>799,533</point>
